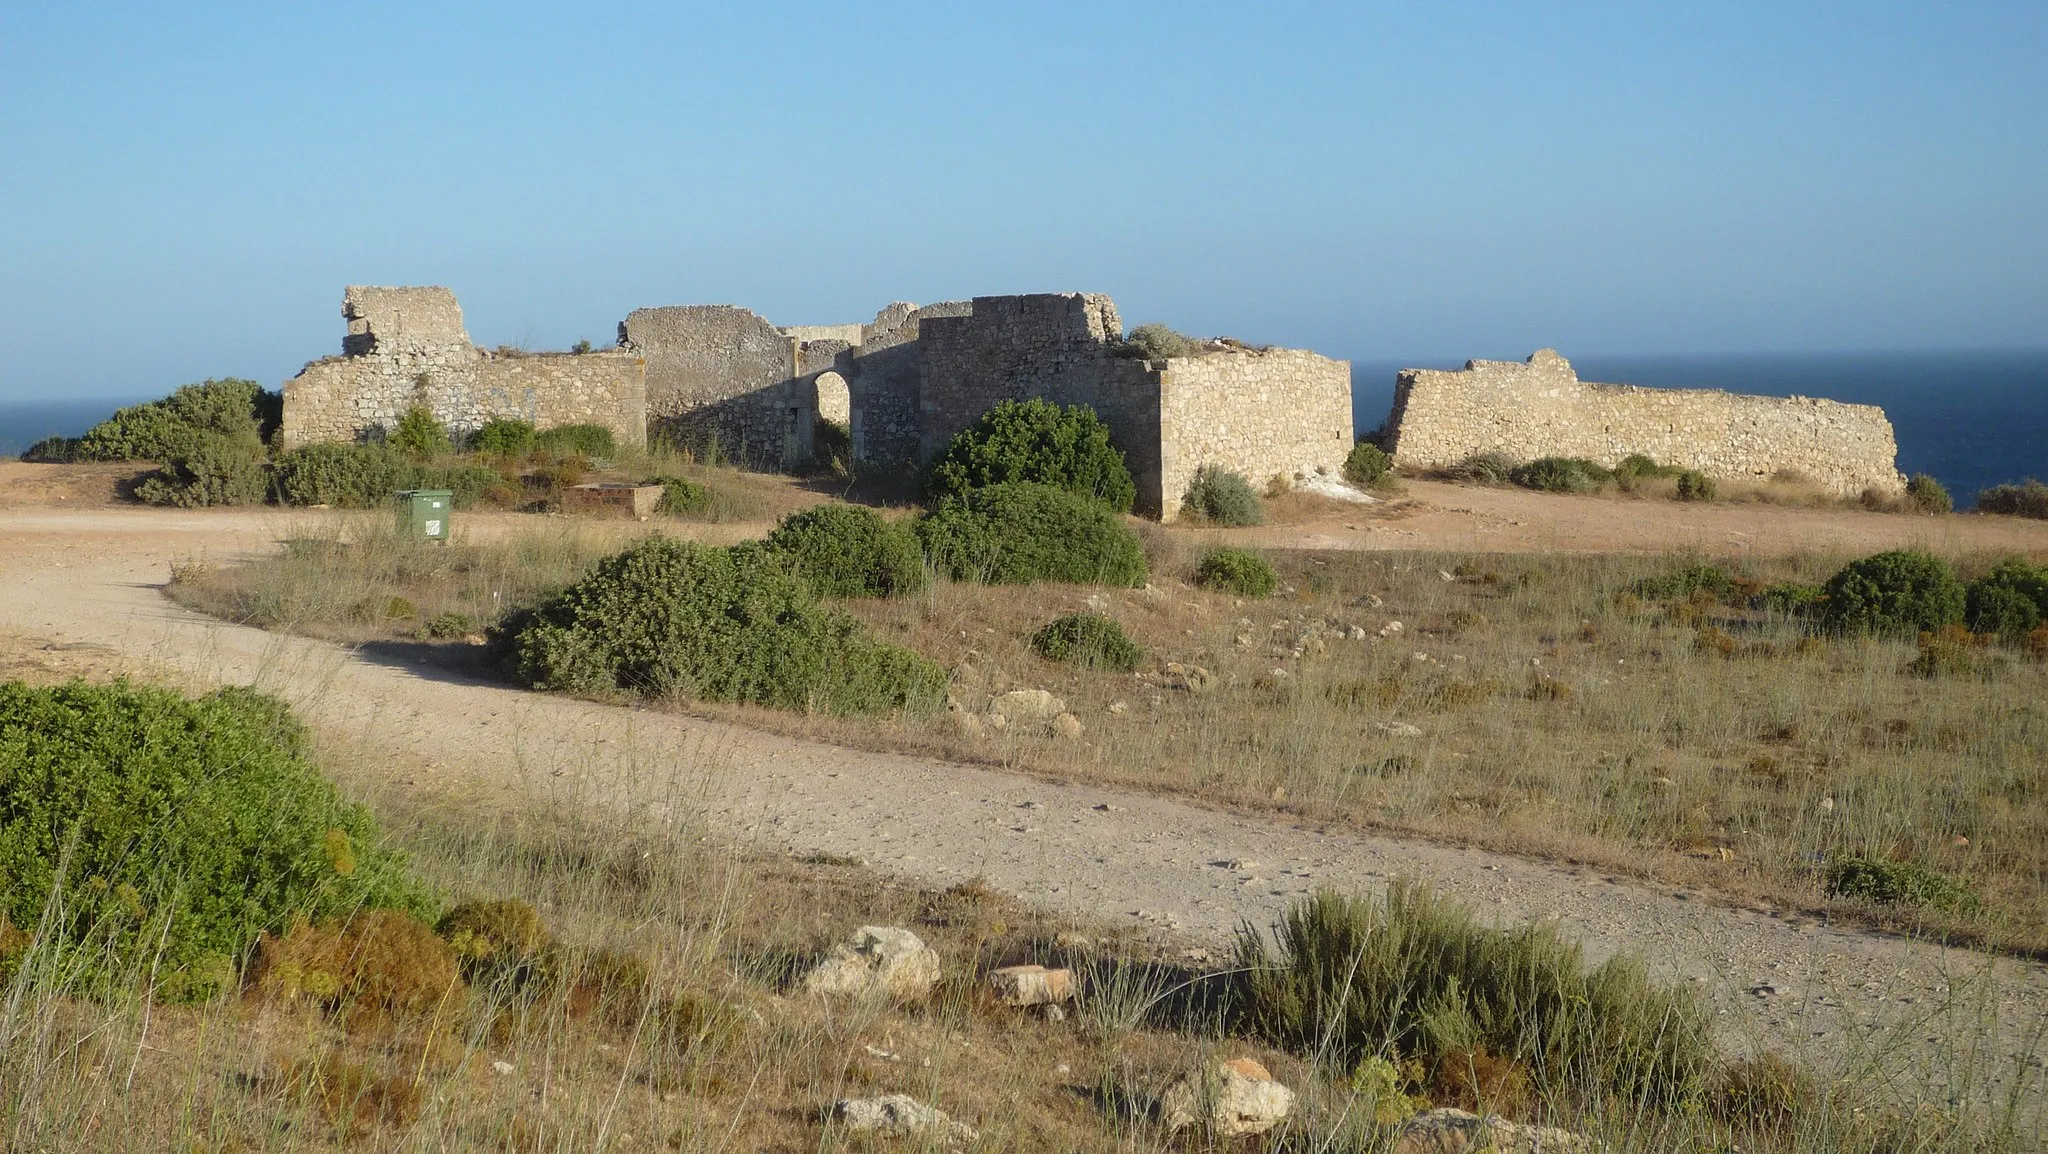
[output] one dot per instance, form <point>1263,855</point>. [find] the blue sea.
<point>1971,419</point>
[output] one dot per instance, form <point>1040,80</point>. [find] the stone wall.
<point>721,376</point>
<point>1259,412</point>
<point>406,347</point>
<point>1540,408</point>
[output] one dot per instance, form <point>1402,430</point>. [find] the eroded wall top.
<point>407,319</point>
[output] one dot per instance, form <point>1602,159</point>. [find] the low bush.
<point>1560,475</point>
<point>1238,571</point>
<point>738,624</point>
<point>172,830</point>
<point>212,470</point>
<point>496,941</point>
<point>242,411</point>
<point>348,476</point>
<point>1156,342</point>
<point>1367,464</point>
<point>1695,486</point>
<point>504,437</point>
<point>1637,465</point>
<point>1792,598</point>
<point>1901,593</point>
<point>1089,640</point>
<point>680,498</point>
<point>1417,976</point>
<point>583,440</point>
<point>1035,442</point>
<point>52,451</point>
<point>848,551</point>
<point>1484,468</point>
<point>1220,497</point>
<point>1015,534</point>
<point>1884,882</point>
<point>1689,582</point>
<point>2029,498</point>
<point>2009,601</point>
<point>1928,495</point>
<point>377,960</point>
<point>420,434</point>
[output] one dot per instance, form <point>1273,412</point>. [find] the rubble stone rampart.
<point>1540,408</point>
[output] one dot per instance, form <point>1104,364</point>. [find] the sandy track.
<point>92,577</point>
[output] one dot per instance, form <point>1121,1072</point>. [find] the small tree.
<point>1367,464</point>
<point>1695,486</point>
<point>1928,495</point>
<point>1035,442</point>
<point>1221,497</point>
<point>419,434</point>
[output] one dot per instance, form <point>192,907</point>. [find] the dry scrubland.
<point>1540,705</point>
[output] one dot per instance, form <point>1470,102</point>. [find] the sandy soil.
<point>1776,978</point>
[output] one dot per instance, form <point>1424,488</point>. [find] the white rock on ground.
<point>880,960</point>
<point>1032,985</point>
<point>1027,705</point>
<point>1456,1131</point>
<point>1334,489</point>
<point>898,1116</point>
<point>1231,1098</point>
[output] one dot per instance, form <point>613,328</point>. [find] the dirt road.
<point>92,577</point>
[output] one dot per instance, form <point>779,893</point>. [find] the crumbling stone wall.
<point>884,377</point>
<point>1259,412</point>
<point>407,346</point>
<point>1540,408</point>
<point>721,376</point>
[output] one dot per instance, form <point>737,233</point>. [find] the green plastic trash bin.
<point>423,513</point>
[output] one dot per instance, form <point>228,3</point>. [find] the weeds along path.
<point>1776,979</point>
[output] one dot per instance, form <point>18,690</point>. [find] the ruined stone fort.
<point>721,380</point>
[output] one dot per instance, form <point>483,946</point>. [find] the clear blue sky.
<point>185,189</point>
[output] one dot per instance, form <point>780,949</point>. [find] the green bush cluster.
<point>1560,475</point>
<point>1928,495</point>
<point>1089,640</point>
<point>583,440</point>
<point>241,411</point>
<point>213,470</point>
<point>1638,465</point>
<point>2029,498</point>
<point>170,831</point>
<point>1238,571</point>
<point>1157,342</point>
<point>2010,601</point>
<point>1417,976</point>
<point>351,476</point>
<point>680,497</point>
<point>1221,497</point>
<point>848,551</point>
<point>1888,882</point>
<point>738,624</point>
<point>504,437</point>
<point>1484,468</point>
<point>1695,486</point>
<point>1689,581</point>
<point>1014,534</point>
<point>420,434</point>
<point>1792,598</point>
<point>1367,464</point>
<point>1900,593</point>
<point>1035,442</point>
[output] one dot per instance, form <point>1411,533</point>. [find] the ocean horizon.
<point>1970,419</point>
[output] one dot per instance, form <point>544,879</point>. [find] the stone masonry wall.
<point>721,375</point>
<point>406,347</point>
<point>1540,408</point>
<point>883,376</point>
<point>1255,412</point>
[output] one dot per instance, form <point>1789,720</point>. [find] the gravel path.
<point>1830,995</point>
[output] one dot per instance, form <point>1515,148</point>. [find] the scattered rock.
<point>501,1066</point>
<point>898,1116</point>
<point>1231,1098</point>
<point>1027,705</point>
<point>1396,729</point>
<point>1451,1131</point>
<point>880,960</point>
<point>1067,726</point>
<point>1390,629</point>
<point>1368,601</point>
<point>1051,1012</point>
<point>1118,708</point>
<point>1357,633</point>
<point>1032,985</point>
<point>1187,678</point>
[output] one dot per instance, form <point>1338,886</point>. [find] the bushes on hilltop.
<point>212,470</point>
<point>1928,495</point>
<point>241,411</point>
<point>848,551</point>
<point>348,476</point>
<point>2029,498</point>
<point>1014,534</point>
<point>172,830</point>
<point>2010,601</point>
<point>1900,593</point>
<point>1035,442</point>
<point>738,624</point>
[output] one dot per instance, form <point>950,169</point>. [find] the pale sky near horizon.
<point>185,189</point>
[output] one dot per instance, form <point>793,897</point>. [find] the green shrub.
<point>174,829</point>
<point>680,498</point>
<point>1484,468</point>
<point>1035,442</point>
<point>1792,599</point>
<point>738,624</point>
<point>1221,497</point>
<point>52,451</point>
<point>848,551</point>
<point>1238,571</point>
<point>239,410</point>
<point>1560,475</point>
<point>1900,593</point>
<point>1157,342</point>
<point>1886,882</point>
<point>2029,498</point>
<point>1928,495</point>
<point>1695,486</point>
<point>212,470</point>
<point>1417,976</point>
<point>1690,581</point>
<point>504,437</point>
<point>420,434</point>
<point>1017,534</point>
<point>349,476</point>
<point>1367,464</point>
<point>1640,465</point>
<point>1089,640</point>
<point>585,440</point>
<point>2009,601</point>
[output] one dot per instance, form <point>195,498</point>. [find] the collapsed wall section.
<point>1540,408</point>
<point>1259,412</point>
